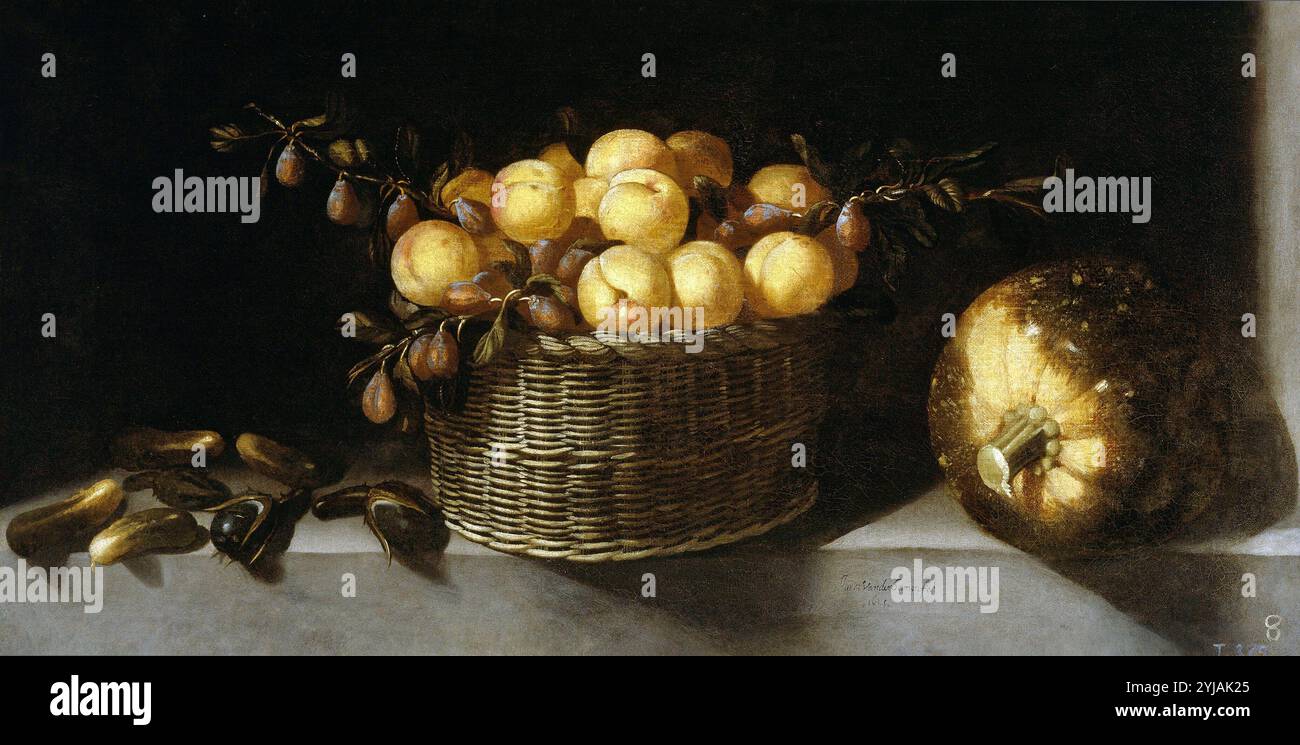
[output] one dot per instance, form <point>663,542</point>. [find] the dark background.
<point>197,320</point>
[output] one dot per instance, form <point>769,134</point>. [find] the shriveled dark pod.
<point>181,487</point>
<point>350,501</point>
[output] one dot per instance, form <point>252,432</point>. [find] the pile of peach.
<point>635,191</point>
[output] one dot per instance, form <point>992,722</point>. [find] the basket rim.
<point>756,335</point>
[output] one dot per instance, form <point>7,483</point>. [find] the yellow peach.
<point>431,255</point>
<point>493,249</point>
<point>532,200</point>
<point>558,155</point>
<point>622,273</point>
<point>588,192</point>
<point>644,208</point>
<point>707,275</point>
<point>700,154</point>
<point>471,183</point>
<point>626,149</point>
<point>788,274</point>
<point>582,228</point>
<point>788,186</point>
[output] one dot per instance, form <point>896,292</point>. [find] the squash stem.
<point>1028,435</point>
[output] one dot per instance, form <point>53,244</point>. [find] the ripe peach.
<point>558,155</point>
<point>788,274</point>
<point>707,275</point>
<point>622,273</point>
<point>493,249</point>
<point>431,255</point>
<point>780,185</point>
<point>626,149</point>
<point>588,192</point>
<point>644,208</point>
<point>471,183</point>
<point>700,154</point>
<point>536,202</point>
<point>582,228</point>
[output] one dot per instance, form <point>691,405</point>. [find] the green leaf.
<point>523,259</point>
<point>944,197</point>
<point>335,122</point>
<point>380,246</point>
<point>1029,183</point>
<point>954,189</point>
<point>364,153</point>
<point>493,341</point>
<point>440,178</point>
<point>342,154</point>
<point>224,137</point>
<point>567,119</point>
<point>543,279</point>
<point>402,373</point>
<point>425,318</point>
<point>594,245</point>
<point>969,155</point>
<point>311,123</point>
<point>962,162</point>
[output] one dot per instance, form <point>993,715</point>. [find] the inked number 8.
<point>1273,624</point>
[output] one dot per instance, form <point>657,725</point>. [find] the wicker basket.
<point>594,449</point>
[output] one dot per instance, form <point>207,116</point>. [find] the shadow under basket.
<point>591,448</point>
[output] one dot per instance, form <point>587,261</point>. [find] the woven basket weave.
<point>612,450</point>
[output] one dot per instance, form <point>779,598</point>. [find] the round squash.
<point>1074,410</point>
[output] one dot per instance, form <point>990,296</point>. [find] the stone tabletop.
<point>804,589</point>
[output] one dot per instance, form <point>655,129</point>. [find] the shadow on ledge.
<point>1195,599</point>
